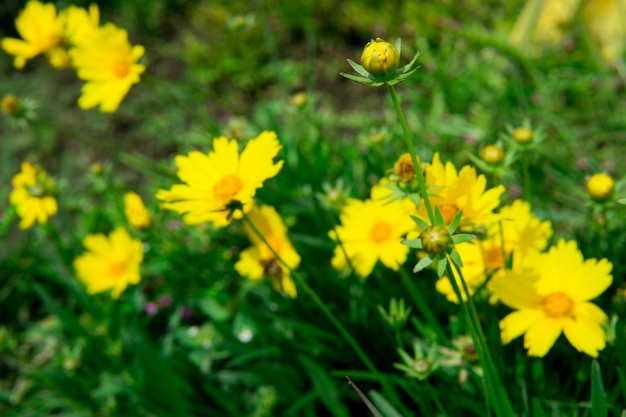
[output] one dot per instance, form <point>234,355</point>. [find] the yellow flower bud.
<point>492,154</point>
<point>299,99</point>
<point>379,57</point>
<point>435,239</point>
<point>523,135</point>
<point>403,168</point>
<point>600,187</point>
<point>10,105</point>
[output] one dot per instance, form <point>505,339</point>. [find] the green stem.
<point>497,394</point>
<point>320,304</point>
<point>526,174</point>
<point>409,143</point>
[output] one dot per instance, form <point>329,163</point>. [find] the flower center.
<point>227,188</point>
<point>493,258</point>
<point>116,269</point>
<point>121,68</point>
<point>448,211</point>
<point>380,232</point>
<point>558,305</point>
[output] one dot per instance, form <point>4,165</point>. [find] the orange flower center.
<point>121,68</point>
<point>493,258</point>
<point>227,188</point>
<point>116,269</point>
<point>558,305</point>
<point>380,232</point>
<point>448,211</point>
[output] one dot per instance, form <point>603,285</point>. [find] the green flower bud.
<point>435,239</point>
<point>379,57</point>
<point>600,187</point>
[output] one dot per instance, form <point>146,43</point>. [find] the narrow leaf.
<point>359,68</point>
<point>421,223</point>
<point>423,263</point>
<point>367,402</point>
<point>598,394</point>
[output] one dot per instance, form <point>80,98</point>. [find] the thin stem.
<point>526,174</point>
<point>409,143</point>
<point>320,304</point>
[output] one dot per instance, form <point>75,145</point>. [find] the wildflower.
<point>403,168</point>
<point>299,99</point>
<point>110,263</point>
<point>33,195</point>
<point>435,239</point>
<point>215,181</point>
<point>492,154</point>
<point>41,31</point>
<point>605,21</point>
<point>464,191</point>
<point>80,25</point>
<point>421,364</point>
<point>10,105</point>
<point>135,211</point>
<point>473,270</point>
<point>523,135</point>
<point>600,187</point>
<point>372,230</point>
<point>379,57</point>
<point>258,261</point>
<point>109,65</point>
<point>551,296</point>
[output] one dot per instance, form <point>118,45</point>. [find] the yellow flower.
<point>403,168</point>
<point>135,211</point>
<point>523,135</point>
<point>380,57</point>
<point>33,195</point>
<point>518,234</point>
<point>80,25</point>
<point>600,187</point>
<point>258,261</point>
<point>215,180</point>
<point>110,262</point>
<point>41,31</point>
<point>551,296</point>
<point>109,65</point>
<point>492,154</point>
<point>372,230</point>
<point>452,192</point>
<point>606,21</point>
<point>10,105</point>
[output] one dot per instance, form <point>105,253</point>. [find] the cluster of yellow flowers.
<point>101,55</point>
<point>549,291</point>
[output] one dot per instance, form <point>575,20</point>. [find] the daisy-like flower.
<point>108,62</point>
<point>372,230</point>
<point>80,25</point>
<point>136,212</point>
<point>606,21</point>
<point>551,296</point>
<point>517,235</point>
<point>41,31</point>
<point>257,261</point>
<point>110,263</point>
<point>452,192</point>
<point>33,195</point>
<point>220,178</point>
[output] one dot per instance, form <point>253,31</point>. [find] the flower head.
<point>110,263</point>
<point>80,25</point>
<point>10,105</point>
<point>523,135</point>
<point>403,168</point>
<point>600,187</point>
<point>492,154</point>
<point>108,62</point>
<point>220,178</point>
<point>372,230</point>
<point>380,57</point>
<point>463,191</point>
<point>258,261</point>
<point>41,31</point>
<point>33,195</point>
<point>551,296</point>
<point>135,211</point>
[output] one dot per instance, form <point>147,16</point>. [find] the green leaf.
<point>398,46</point>
<point>423,224</point>
<point>598,394</point>
<point>462,238</point>
<point>441,266</point>
<point>356,78</point>
<point>456,258</point>
<point>383,405</point>
<point>455,222</point>
<point>324,386</point>
<point>423,263</point>
<point>413,243</point>
<point>366,400</point>
<point>359,68</point>
<point>439,217</point>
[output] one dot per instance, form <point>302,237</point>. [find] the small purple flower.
<point>164,300</point>
<point>150,308</point>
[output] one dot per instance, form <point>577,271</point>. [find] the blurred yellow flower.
<point>110,263</point>
<point>546,22</point>
<point>33,195</point>
<point>80,25</point>
<point>135,211</point>
<point>451,192</point>
<point>600,187</point>
<point>10,105</point>
<point>372,230</point>
<point>221,177</point>
<point>108,62</point>
<point>551,296</point>
<point>41,31</point>
<point>257,261</point>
